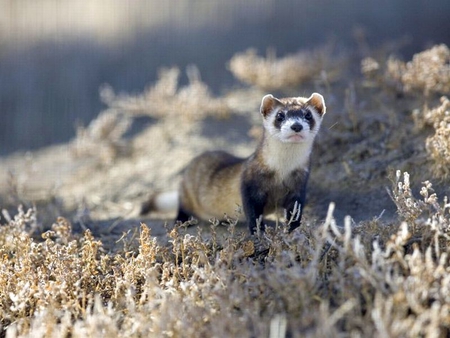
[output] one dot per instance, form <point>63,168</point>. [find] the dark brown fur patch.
<point>148,205</point>
<point>257,173</point>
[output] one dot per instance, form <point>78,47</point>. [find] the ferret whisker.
<point>334,124</point>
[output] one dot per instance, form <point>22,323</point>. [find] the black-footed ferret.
<point>274,176</point>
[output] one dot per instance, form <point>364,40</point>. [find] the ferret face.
<point>293,120</point>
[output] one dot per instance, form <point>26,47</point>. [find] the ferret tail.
<point>163,202</point>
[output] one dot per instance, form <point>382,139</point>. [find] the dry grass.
<point>165,99</point>
<point>438,145</point>
<point>318,281</point>
<point>104,138</point>
<point>288,72</point>
<point>428,72</point>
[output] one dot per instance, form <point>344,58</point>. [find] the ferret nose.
<point>297,127</point>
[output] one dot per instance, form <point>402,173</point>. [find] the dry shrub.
<point>273,73</point>
<point>23,221</point>
<point>437,145</point>
<point>357,280</point>
<point>370,67</point>
<point>103,138</point>
<point>434,116</point>
<point>428,72</point>
<point>165,99</point>
<point>421,213</point>
<point>407,206</point>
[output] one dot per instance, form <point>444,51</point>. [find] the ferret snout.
<point>297,127</point>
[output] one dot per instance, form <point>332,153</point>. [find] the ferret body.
<point>273,177</point>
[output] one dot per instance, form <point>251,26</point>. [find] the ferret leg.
<point>294,207</point>
<point>253,200</point>
<point>182,215</point>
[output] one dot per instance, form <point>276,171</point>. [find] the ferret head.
<point>294,119</point>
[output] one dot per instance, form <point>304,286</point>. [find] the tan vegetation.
<point>319,281</point>
<point>438,145</point>
<point>104,137</point>
<point>165,99</point>
<point>272,73</point>
<point>428,72</point>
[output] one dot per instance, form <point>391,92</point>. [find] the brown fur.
<point>210,185</point>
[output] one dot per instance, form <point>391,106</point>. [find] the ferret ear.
<point>316,100</point>
<point>268,103</point>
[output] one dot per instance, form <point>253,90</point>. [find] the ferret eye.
<point>280,117</point>
<point>308,115</point>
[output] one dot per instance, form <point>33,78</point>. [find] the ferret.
<point>275,176</point>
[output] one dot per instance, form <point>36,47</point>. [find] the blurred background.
<point>56,54</point>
